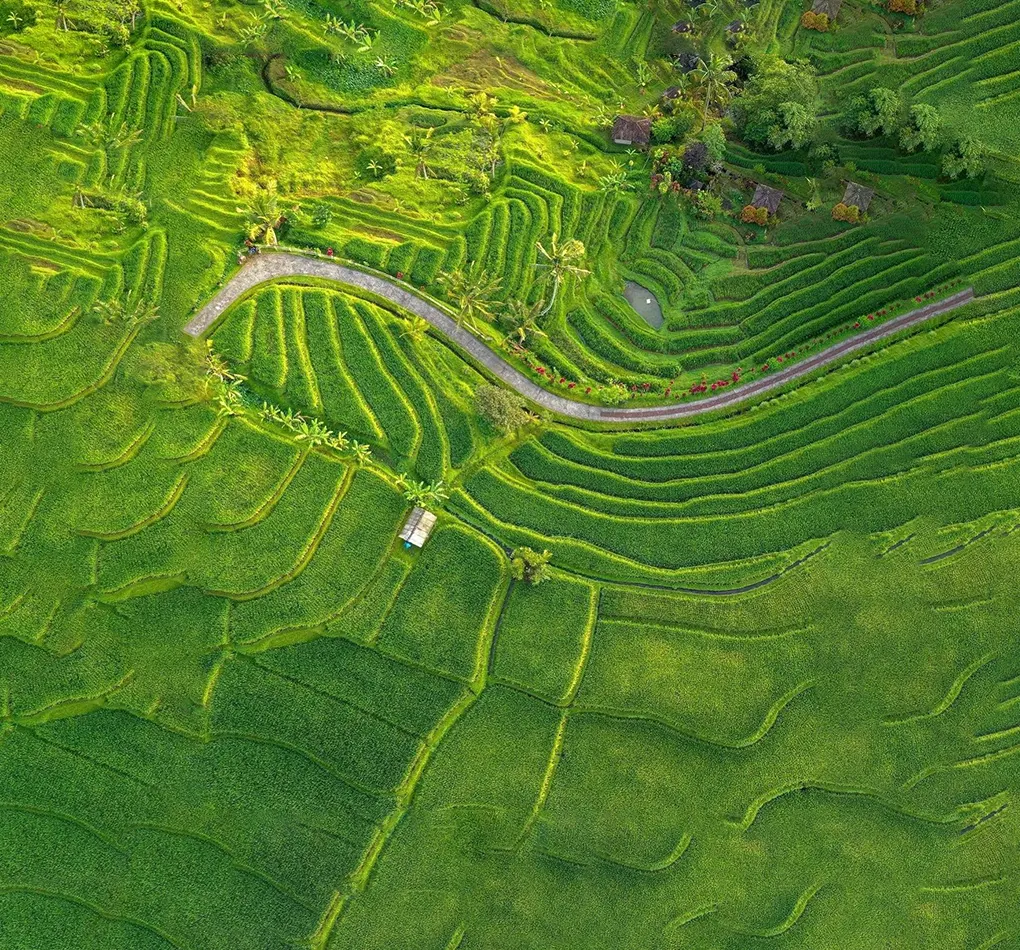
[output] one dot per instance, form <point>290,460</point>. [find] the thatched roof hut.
<point>632,130</point>
<point>829,7</point>
<point>858,195</point>
<point>768,198</point>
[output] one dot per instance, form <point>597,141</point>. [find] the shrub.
<point>753,215</point>
<point>707,205</point>
<point>715,141</point>
<point>322,214</point>
<point>696,156</point>
<point>849,213</point>
<point>502,409</point>
<point>614,394</point>
<point>665,130</point>
<point>529,565</point>
<point>824,156</point>
<point>817,21</point>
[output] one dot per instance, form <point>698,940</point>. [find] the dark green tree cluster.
<point>779,105</point>
<point>881,112</point>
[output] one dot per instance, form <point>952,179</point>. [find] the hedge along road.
<point>272,266</point>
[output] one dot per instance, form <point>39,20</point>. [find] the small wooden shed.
<point>632,130</point>
<point>418,527</point>
<point>858,195</point>
<point>765,197</point>
<point>683,26</point>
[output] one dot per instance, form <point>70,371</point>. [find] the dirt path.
<point>272,266</point>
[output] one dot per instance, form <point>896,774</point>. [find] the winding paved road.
<point>274,265</point>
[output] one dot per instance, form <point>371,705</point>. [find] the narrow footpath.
<point>275,265</point>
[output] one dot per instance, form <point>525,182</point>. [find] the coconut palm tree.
<point>713,76</point>
<point>562,261</point>
<point>263,217</point>
<point>471,296</point>
<point>523,320</point>
<point>63,23</point>
<point>420,143</point>
<point>417,327</point>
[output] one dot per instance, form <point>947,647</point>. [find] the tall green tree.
<point>561,262</point>
<point>471,295</point>
<point>263,217</point>
<point>922,130</point>
<point>522,319</point>
<point>713,76</point>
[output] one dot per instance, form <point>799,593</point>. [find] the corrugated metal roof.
<point>418,527</point>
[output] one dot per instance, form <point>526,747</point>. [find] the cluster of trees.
<point>881,111</point>
<point>111,20</point>
<point>779,105</point>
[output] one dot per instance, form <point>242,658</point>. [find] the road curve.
<point>274,265</point>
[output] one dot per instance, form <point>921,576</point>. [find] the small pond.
<point>644,302</point>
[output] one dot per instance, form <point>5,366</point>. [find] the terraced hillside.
<point>769,694</point>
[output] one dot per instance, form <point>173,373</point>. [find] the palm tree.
<point>417,327</point>
<point>110,311</point>
<point>63,23</point>
<point>470,296</point>
<point>14,20</point>
<point>263,217</point>
<point>420,143</point>
<point>713,76</point>
<point>361,452</point>
<point>523,319</point>
<point>562,261</point>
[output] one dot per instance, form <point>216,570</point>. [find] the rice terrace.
<point>509,474</point>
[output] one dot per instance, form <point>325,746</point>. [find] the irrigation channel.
<point>274,265</point>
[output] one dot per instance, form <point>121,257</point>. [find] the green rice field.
<point>768,695</point>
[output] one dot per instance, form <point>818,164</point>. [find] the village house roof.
<point>765,197</point>
<point>683,26</point>
<point>829,7</point>
<point>737,26</point>
<point>687,62</point>
<point>858,195</point>
<point>418,527</point>
<point>632,130</point>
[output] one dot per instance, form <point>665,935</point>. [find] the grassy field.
<point>769,695</point>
